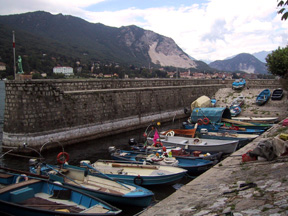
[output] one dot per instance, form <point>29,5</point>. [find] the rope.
<point>191,177</point>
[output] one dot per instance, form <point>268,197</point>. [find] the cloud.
<point>213,29</point>
<point>217,31</point>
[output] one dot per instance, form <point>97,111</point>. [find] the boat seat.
<point>184,141</point>
<point>22,194</point>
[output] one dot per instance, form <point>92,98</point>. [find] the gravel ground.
<point>273,108</point>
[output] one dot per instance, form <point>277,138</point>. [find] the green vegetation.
<point>282,4</point>
<point>277,62</point>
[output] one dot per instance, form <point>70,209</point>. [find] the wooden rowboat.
<point>256,119</point>
<point>263,97</point>
<point>140,174</point>
<point>37,197</point>
<point>196,144</point>
<point>101,186</point>
<point>193,165</point>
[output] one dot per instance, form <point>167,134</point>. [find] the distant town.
<point>109,71</point>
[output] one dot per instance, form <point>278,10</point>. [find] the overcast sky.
<point>206,30</point>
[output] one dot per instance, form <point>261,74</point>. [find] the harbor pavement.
<point>234,187</point>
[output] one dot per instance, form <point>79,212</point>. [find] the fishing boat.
<point>177,152</point>
<point>239,84</point>
<point>239,101</point>
<point>277,94</point>
<point>265,120</point>
<point>223,128</point>
<point>213,102</point>
<point>37,197</point>
<point>242,138</point>
<point>100,186</point>
<point>263,97</point>
<point>193,165</point>
<point>235,110</point>
<point>196,144</point>
<point>204,133</point>
<point>140,174</point>
<point>228,123</point>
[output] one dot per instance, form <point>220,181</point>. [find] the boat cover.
<point>202,101</point>
<point>214,114</point>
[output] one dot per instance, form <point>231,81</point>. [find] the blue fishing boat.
<point>39,197</point>
<point>100,186</point>
<point>263,97</point>
<point>213,102</point>
<point>193,165</point>
<point>235,110</point>
<point>239,84</point>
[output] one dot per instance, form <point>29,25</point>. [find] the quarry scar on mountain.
<point>175,58</point>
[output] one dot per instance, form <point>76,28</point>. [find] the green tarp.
<point>214,114</point>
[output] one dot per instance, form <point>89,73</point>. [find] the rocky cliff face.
<point>160,49</point>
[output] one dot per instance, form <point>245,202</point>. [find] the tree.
<point>282,4</point>
<point>277,62</point>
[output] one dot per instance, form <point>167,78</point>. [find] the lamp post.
<point>14,54</point>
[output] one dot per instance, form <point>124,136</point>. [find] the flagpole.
<point>14,54</point>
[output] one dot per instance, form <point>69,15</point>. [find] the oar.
<point>63,174</point>
<point>93,168</point>
<point>23,172</point>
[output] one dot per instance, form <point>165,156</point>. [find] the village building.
<point>68,71</point>
<point>2,66</point>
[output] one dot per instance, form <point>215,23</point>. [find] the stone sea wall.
<point>70,111</point>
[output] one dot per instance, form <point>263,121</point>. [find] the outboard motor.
<point>86,162</point>
<point>33,162</point>
<point>112,149</point>
<point>203,131</point>
<point>132,141</point>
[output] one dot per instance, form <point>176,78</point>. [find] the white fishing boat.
<point>139,174</point>
<point>196,144</point>
<point>239,101</point>
<point>256,119</point>
<point>250,137</point>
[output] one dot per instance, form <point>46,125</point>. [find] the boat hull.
<point>263,97</point>
<point>138,196</point>
<point>141,174</point>
<point>194,166</point>
<point>205,145</point>
<point>20,199</point>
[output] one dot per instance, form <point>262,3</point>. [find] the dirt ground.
<point>273,108</point>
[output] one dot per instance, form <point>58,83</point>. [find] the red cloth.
<point>156,136</point>
<point>285,122</point>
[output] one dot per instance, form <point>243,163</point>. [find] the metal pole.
<point>14,54</point>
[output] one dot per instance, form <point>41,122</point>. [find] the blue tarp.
<point>214,114</point>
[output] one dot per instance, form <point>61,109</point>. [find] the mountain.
<point>262,55</point>
<point>67,36</point>
<point>241,62</point>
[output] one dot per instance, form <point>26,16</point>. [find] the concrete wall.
<point>69,111</point>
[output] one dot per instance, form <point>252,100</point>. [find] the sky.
<point>206,30</point>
